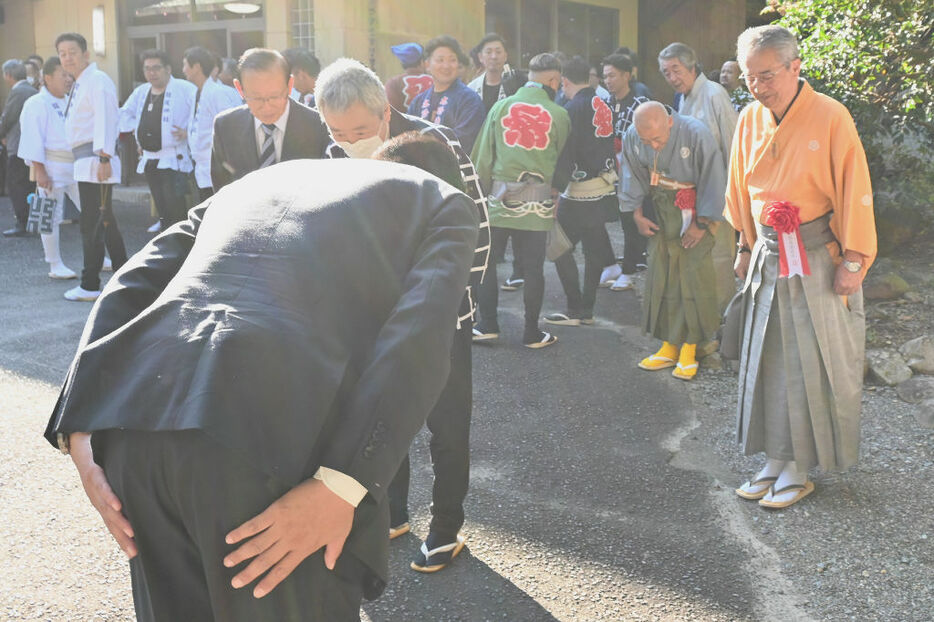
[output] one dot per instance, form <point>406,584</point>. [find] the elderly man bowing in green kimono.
<point>675,160</point>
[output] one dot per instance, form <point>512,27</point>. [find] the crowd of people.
<point>768,184</point>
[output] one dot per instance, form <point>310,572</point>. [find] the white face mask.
<point>363,148</point>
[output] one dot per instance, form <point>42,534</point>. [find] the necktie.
<point>268,156</point>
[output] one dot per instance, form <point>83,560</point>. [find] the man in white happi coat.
<point>211,98</point>
<point>91,116</point>
<point>158,113</point>
<point>709,103</point>
<point>45,150</point>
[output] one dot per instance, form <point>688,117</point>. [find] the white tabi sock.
<point>772,468</point>
<point>789,476</point>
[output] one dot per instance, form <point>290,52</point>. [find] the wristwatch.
<point>103,159</point>
<point>701,225</point>
<point>852,266</point>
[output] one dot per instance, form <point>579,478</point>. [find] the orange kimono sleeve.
<point>738,204</point>
<point>853,220</point>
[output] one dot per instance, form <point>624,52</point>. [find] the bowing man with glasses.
<point>268,129</point>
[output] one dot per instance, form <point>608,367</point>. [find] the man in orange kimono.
<point>800,196</point>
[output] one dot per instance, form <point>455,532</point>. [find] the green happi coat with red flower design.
<point>686,180</point>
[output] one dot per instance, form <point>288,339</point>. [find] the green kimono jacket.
<point>516,154</point>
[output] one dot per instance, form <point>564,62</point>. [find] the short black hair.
<point>263,59</point>
<point>576,70</point>
<point>490,38</point>
<point>50,65</point>
<point>300,58</point>
<point>72,36</point>
<point>230,64</point>
<point>35,57</point>
<point>621,62</point>
<point>546,61</point>
<point>426,153</point>
<point>37,66</point>
<point>628,52</point>
<point>157,54</point>
<point>200,56</point>
<point>446,41</point>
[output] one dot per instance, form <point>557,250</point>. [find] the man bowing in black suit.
<point>269,128</point>
<point>249,382</point>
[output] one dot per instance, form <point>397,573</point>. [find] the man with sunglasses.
<point>268,129</point>
<point>157,112</point>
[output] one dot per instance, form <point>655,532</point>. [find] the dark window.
<point>534,26</point>
<point>603,32</point>
<point>572,28</point>
<point>502,18</point>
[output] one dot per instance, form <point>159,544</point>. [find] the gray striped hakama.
<point>801,361</point>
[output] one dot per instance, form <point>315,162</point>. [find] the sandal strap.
<point>787,488</point>
<point>764,480</point>
<point>446,548</point>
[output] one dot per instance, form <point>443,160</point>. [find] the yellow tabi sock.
<point>687,362</point>
<point>668,351</point>
<point>662,359</point>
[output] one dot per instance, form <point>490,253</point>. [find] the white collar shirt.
<point>278,135</point>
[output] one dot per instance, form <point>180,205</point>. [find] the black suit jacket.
<point>235,152</point>
<point>302,317</point>
<point>9,120</point>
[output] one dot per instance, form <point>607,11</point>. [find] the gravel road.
<point>599,492</point>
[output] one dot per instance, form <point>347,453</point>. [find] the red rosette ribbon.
<point>685,200</point>
<point>785,219</point>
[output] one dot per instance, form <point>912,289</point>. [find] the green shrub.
<point>877,58</point>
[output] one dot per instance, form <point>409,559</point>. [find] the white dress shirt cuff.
<point>344,486</point>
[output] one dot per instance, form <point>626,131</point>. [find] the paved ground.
<point>599,492</point>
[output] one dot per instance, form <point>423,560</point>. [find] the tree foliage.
<point>877,57</point>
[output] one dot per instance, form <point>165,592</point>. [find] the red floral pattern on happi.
<point>415,86</point>
<point>527,126</point>
<point>686,199</point>
<point>782,216</point>
<point>602,118</point>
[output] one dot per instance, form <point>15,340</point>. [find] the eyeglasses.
<point>763,78</point>
<point>260,101</point>
<point>153,68</point>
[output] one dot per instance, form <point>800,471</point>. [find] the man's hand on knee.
<point>295,526</point>
<point>99,492</point>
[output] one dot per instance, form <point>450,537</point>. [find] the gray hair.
<point>678,51</point>
<point>347,81</point>
<point>770,37</point>
<point>15,68</point>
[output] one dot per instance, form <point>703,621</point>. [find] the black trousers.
<point>168,188</point>
<point>205,193</point>
<point>583,221</point>
<point>95,235</point>
<point>449,424</point>
<point>528,247</point>
<point>498,253</point>
<point>17,179</point>
<point>182,493</point>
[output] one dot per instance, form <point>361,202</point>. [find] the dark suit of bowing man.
<point>303,325</point>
